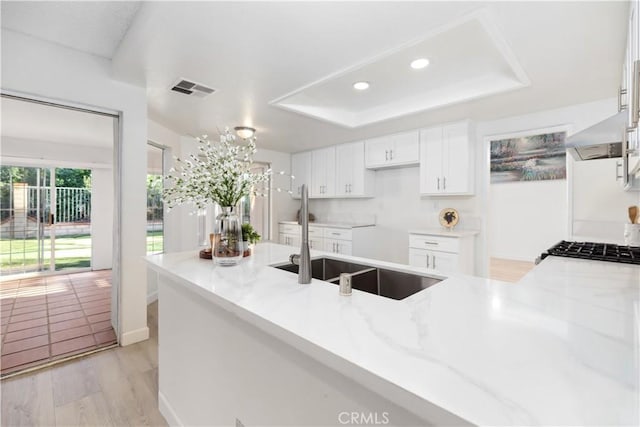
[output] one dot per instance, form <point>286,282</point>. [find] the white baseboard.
<point>167,411</point>
<point>152,297</point>
<point>134,336</point>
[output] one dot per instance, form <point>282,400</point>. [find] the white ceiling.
<point>257,52</point>
<point>38,122</point>
<point>467,59</point>
<point>95,27</point>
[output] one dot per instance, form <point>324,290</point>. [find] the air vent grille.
<point>192,88</point>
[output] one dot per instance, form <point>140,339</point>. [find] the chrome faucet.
<point>303,260</point>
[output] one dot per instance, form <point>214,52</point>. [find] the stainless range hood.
<point>600,141</point>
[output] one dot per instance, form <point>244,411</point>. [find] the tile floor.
<point>53,317</point>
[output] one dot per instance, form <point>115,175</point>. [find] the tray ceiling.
<point>468,59</point>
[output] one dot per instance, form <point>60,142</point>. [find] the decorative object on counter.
<point>632,230</point>
<point>249,237</point>
<point>449,217</point>
<point>633,214</point>
<point>312,217</point>
<point>227,238</point>
<point>536,157</point>
<point>221,173</point>
<point>207,252</point>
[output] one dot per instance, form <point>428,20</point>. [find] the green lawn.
<point>71,251</point>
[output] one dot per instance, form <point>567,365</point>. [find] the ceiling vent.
<point>192,88</point>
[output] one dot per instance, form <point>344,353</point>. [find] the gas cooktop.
<point>595,251</point>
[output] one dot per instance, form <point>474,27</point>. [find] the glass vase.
<point>227,238</point>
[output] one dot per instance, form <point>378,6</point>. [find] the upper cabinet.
<point>323,173</point>
<point>446,160</point>
<point>401,149</point>
<point>352,179</point>
<point>301,171</point>
<point>629,97</point>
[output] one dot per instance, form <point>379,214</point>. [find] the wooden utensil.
<point>633,214</point>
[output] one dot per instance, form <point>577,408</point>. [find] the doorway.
<point>58,212</point>
<point>45,219</point>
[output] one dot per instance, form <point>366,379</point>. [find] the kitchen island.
<point>247,345</point>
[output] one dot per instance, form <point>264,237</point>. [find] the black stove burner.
<point>595,251</point>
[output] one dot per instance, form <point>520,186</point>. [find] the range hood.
<point>600,141</point>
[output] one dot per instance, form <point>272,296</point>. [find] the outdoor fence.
<point>72,204</point>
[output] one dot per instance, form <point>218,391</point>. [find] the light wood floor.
<point>116,387</point>
<point>508,270</point>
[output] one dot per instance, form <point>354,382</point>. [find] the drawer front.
<point>316,232</point>
<point>338,233</point>
<point>289,228</point>
<point>434,243</point>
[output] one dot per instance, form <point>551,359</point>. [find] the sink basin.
<point>379,281</point>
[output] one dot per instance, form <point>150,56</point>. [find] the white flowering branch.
<point>221,174</point>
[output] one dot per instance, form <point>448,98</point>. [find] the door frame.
<point>116,269</point>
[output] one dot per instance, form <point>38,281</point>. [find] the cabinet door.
<point>360,176</point>
<point>377,152</point>
<point>419,258</point>
<point>301,171</point>
<point>405,149</point>
<point>323,173</point>
<point>344,247</point>
<point>316,243</point>
<point>444,262</point>
<point>456,161</point>
<point>431,161</point>
<point>345,169</point>
<point>290,239</point>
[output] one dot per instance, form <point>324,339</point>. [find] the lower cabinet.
<point>338,240</point>
<point>440,252</point>
<point>335,246</point>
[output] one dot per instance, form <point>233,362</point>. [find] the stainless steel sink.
<point>379,281</point>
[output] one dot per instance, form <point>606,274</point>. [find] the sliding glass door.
<point>44,226</point>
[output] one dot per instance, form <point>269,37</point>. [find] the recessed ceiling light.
<point>419,63</point>
<point>361,85</point>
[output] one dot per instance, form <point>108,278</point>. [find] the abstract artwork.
<point>529,158</point>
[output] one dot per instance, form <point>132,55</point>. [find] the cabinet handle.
<point>635,93</point>
<point>386,155</point>
<point>438,183</point>
<point>335,234</point>
<point>427,260</point>
<point>618,167</point>
<point>434,261</point>
<point>430,243</point>
<point>444,182</point>
<point>621,106</point>
<point>349,188</point>
<point>390,154</point>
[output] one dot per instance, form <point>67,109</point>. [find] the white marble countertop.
<point>558,348</point>
<point>444,232</point>
<point>333,225</point>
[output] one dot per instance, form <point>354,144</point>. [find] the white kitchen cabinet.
<point>289,234</point>
<point>347,240</point>
<point>335,246</point>
<point>352,179</point>
<point>446,160</point>
<point>401,149</point>
<point>442,251</point>
<point>301,171</point>
<point>434,260</point>
<point>323,173</point>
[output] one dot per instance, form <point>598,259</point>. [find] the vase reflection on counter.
<point>227,238</point>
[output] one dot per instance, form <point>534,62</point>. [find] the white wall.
<point>35,67</point>
<point>524,219</point>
